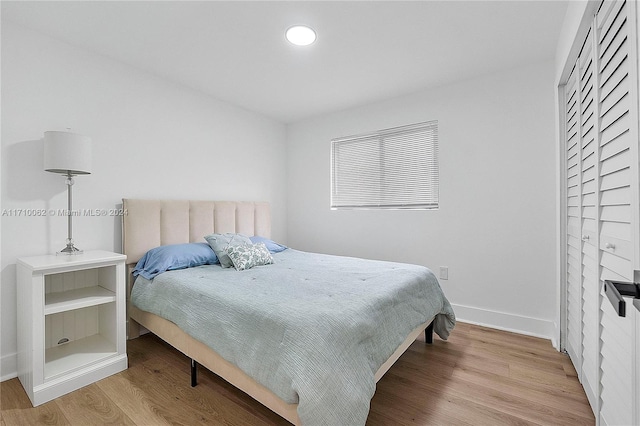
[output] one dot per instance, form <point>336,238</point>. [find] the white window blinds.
<point>388,169</point>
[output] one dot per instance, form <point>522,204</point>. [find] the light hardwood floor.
<point>480,376</point>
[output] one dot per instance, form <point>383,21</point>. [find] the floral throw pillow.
<point>246,256</point>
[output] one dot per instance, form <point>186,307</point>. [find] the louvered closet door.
<point>574,297</point>
<point>618,402</point>
<point>618,120</point>
<point>589,224</point>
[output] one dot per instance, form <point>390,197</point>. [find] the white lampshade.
<point>67,153</point>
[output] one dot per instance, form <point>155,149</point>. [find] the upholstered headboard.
<point>152,223</point>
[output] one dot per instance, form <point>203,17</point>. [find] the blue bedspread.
<point>312,328</point>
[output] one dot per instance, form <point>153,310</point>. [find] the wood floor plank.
<point>134,401</point>
<point>435,406</point>
<point>479,376</point>
<point>17,410</point>
<point>530,374</point>
<point>554,398</point>
<point>91,406</point>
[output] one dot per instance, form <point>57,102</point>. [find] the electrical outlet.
<point>444,272</point>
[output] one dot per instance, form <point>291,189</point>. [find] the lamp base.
<point>70,249</point>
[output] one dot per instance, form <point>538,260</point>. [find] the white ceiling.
<point>366,50</point>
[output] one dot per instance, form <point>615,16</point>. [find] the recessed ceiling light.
<point>301,35</point>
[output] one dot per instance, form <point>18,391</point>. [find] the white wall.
<point>151,139</point>
<point>496,225</point>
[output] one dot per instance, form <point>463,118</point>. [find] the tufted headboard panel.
<point>151,223</point>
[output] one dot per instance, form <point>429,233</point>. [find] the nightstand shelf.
<point>75,299</point>
<point>83,352</point>
<point>71,322</point>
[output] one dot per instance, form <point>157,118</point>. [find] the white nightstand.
<point>71,321</point>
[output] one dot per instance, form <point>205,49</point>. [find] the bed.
<point>307,382</point>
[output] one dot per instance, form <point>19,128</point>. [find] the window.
<point>389,169</point>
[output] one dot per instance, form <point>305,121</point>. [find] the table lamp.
<point>68,154</point>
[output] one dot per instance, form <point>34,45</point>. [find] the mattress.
<point>312,328</point>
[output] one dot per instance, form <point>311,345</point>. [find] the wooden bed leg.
<point>194,373</point>
<point>428,333</point>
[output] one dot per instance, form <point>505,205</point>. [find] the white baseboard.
<point>8,367</point>
<point>529,326</point>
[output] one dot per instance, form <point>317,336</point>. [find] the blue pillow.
<point>174,256</point>
<point>271,245</point>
